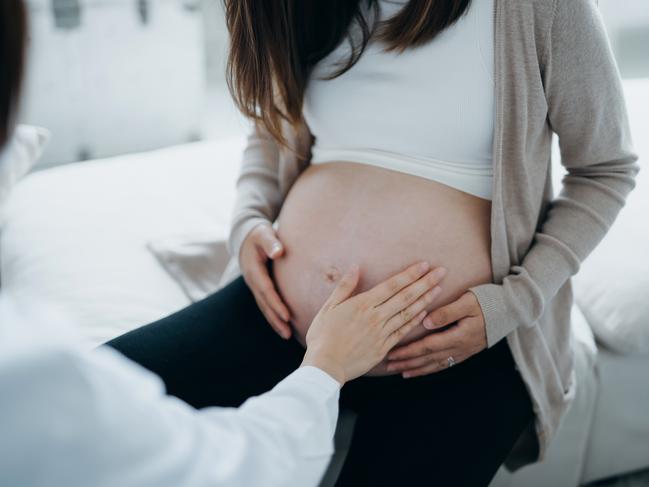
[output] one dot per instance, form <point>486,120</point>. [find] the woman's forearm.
<point>258,197</point>
<point>587,110</point>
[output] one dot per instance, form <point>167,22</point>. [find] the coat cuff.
<point>498,321</point>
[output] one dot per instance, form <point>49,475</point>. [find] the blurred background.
<point>109,77</point>
<point>113,244</point>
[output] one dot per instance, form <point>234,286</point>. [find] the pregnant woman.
<point>432,119</point>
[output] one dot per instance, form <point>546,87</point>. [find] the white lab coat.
<point>75,417</point>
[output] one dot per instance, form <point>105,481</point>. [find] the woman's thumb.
<point>273,248</point>
<point>346,285</point>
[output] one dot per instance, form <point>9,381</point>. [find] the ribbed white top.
<point>428,111</point>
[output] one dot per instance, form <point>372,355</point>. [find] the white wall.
<point>625,13</point>
<point>216,39</point>
<point>112,84</point>
<point>627,22</point>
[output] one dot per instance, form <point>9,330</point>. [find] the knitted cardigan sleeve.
<point>586,109</point>
<point>259,198</point>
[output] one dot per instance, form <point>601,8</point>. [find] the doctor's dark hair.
<point>13,29</point>
<point>274,46</point>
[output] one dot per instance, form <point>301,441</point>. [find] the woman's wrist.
<point>326,363</point>
<point>241,231</point>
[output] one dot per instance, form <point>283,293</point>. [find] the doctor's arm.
<point>93,418</point>
<point>76,418</point>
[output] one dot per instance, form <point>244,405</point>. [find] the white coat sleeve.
<point>75,418</point>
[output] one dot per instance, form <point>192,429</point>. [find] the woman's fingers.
<point>413,363</point>
<point>388,288</point>
<point>281,328</point>
<point>410,294</point>
<point>269,293</point>
<point>433,366</point>
<point>434,342</point>
<point>458,309</point>
<point>259,246</point>
<point>265,287</point>
<point>406,314</point>
<point>396,336</point>
<point>269,242</point>
<point>345,286</point>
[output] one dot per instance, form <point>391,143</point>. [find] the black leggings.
<point>454,427</point>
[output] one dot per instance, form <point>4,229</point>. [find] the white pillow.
<point>18,158</point>
<point>612,287</point>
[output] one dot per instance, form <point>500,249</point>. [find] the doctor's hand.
<point>260,245</point>
<point>464,338</point>
<point>350,335</point>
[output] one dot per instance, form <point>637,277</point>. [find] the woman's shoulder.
<point>548,11</point>
<point>549,20</point>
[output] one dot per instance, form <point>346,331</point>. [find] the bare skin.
<point>341,213</point>
<point>351,334</point>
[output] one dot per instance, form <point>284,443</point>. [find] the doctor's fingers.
<point>394,338</point>
<point>411,293</point>
<point>386,289</point>
<point>406,314</point>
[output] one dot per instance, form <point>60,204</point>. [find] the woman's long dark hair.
<point>274,45</point>
<point>13,29</point>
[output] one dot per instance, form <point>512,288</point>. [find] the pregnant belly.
<point>342,213</point>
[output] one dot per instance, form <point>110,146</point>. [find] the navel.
<point>332,274</point>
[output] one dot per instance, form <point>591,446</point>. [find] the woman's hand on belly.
<point>338,214</point>
<point>260,245</point>
<point>462,334</point>
<point>352,334</point>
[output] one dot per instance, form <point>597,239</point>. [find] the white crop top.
<point>427,111</point>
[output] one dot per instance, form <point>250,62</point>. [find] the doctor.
<point>72,417</point>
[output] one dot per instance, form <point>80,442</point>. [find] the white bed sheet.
<point>76,236</point>
<point>619,438</point>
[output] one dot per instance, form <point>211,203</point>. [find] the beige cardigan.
<point>554,72</point>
